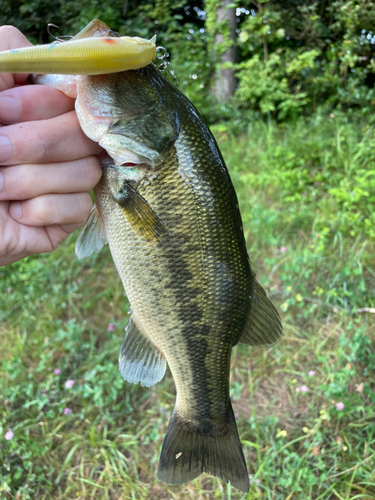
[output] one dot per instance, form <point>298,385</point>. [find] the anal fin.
<point>263,324</point>
<point>140,360</point>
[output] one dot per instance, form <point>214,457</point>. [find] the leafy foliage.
<point>293,57</point>
<point>302,55</point>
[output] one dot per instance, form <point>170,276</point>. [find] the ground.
<point>304,408</point>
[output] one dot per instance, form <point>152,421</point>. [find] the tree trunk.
<point>224,81</point>
<point>125,8</point>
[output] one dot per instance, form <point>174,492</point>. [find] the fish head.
<point>126,113</point>
<point>127,93</point>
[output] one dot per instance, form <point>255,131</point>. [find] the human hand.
<point>47,165</point>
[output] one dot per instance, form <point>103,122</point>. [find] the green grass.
<point>299,188</point>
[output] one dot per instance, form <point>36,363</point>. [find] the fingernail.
<point>9,109</point>
<point>5,148</point>
<point>15,210</point>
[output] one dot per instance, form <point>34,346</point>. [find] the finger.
<point>32,102</point>
<point>28,240</point>
<point>19,182</point>
<point>52,209</point>
<point>45,141</point>
<point>70,228</point>
<point>11,38</point>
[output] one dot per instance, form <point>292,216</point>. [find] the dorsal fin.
<point>263,324</point>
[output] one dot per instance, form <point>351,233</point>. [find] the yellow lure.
<point>86,54</point>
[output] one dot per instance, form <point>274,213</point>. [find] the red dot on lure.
<point>109,40</point>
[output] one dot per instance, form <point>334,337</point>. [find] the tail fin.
<point>188,450</point>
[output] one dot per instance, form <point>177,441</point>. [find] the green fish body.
<point>173,225</point>
<point>167,208</point>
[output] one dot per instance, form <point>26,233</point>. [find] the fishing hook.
<point>162,57</point>
<point>164,63</point>
<point>57,38</point>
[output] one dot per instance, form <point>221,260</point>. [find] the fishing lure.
<point>95,50</point>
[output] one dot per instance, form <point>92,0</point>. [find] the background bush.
<point>292,57</point>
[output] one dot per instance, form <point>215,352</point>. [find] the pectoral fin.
<point>140,360</point>
<point>140,215</point>
<point>92,236</point>
<point>263,325</point>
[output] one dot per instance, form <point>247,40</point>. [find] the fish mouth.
<point>129,171</point>
<point>106,161</point>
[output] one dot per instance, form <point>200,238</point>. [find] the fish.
<point>169,212</point>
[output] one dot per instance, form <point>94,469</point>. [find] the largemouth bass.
<point>168,209</point>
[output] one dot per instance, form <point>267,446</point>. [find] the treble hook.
<point>57,38</point>
<point>164,64</point>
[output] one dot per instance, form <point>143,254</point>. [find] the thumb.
<point>11,38</point>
